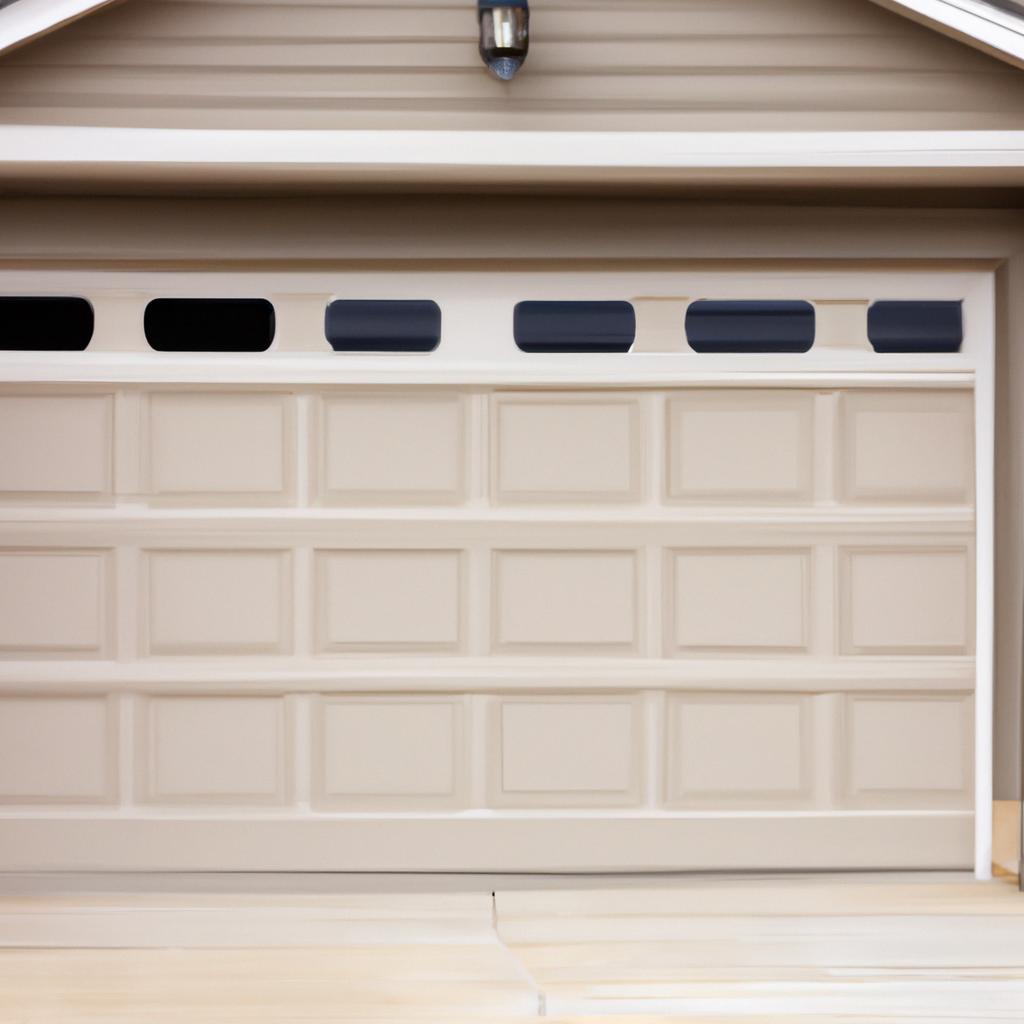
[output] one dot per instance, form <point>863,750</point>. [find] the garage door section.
<point>716,622</point>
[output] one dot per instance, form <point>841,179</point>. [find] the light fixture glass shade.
<point>504,37</point>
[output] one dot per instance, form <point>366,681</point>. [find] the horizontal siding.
<point>594,64</point>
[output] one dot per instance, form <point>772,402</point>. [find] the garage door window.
<point>45,323</point>
<point>399,325</point>
<point>574,326</point>
<point>915,326</point>
<point>209,325</point>
<point>746,326</point>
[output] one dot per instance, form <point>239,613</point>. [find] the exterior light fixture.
<point>504,35</point>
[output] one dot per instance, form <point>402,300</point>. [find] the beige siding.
<point>594,64</point>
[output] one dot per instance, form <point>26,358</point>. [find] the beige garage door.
<point>423,627</point>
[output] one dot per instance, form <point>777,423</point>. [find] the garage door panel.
<point>579,602</point>
<point>913,448</point>
<point>245,440</point>
<point>908,750</point>
<point>563,752</point>
<point>390,600</point>
<point>400,752</point>
<point>58,750</point>
<point>392,449</point>
<point>56,447</point>
<point>741,445</point>
<point>213,750</point>
<point>217,602</point>
<point>740,750</point>
<point>739,600</point>
<point>906,600</point>
<point>56,603</point>
<point>566,448</point>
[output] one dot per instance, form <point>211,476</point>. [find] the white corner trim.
<point>974,22</point>
<point>57,153</point>
<point>26,20</point>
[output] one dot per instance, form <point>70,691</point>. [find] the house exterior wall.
<point>673,65</point>
<point>412,234</point>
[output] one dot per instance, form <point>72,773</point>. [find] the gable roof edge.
<point>26,20</point>
<point>980,25</point>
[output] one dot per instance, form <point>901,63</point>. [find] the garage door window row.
<point>67,323</point>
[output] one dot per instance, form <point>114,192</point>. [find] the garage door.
<point>486,609</point>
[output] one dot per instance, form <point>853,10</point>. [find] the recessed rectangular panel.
<point>907,446</point>
<point>739,750</point>
<point>922,326</point>
<point>741,445</point>
<point>383,325</point>
<point>740,599</point>
<point>55,446</point>
<point>392,449</point>
<point>571,601</point>
<point>216,445</point>
<point>56,750</point>
<point>583,751</point>
<point>734,325</point>
<point>54,603</point>
<point>574,326</point>
<point>908,750</point>
<point>218,602</point>
<point>390,752</point>
<point>389,600</point>
<point>906,600</point>
<point>566,449</point>
<point>213,750</point>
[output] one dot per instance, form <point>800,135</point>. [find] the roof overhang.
<point>25,20</point>
<point>974,22</point>
<point>140,160</point>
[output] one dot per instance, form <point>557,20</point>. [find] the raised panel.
<point>910,750</point>
<point>217,602</point>
<point>389,600</point>
<point>739,750</point>
<point>213,750</point>
<point>215,446</point>
<point>56,750</point>
<point>55,447</point>
<point>913,447</point>
<point>906,600</point>
<point>742,599</point>
<point>55,603</point>
<point>570,601</point>
<point>392,449</point>
<point>740,445</point>
<point>566,448</point>
<point>563,752</point>
<point>390,752</point>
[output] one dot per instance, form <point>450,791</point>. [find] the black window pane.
<point>750,326</point>
<point>916,326</point>
<point>45,324</point>
<point>209,325</point>
<point>574,326</point>
<point>398,325</point>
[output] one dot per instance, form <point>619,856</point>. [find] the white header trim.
<point>139,155</point>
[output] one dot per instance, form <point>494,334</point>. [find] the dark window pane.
<point>209,325</point>
<point>574,326</point>
<point>45,324</point>
<point>750,326</point>
<point>392,325</point>
<point>915,326</point>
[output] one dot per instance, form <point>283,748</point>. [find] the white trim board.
<point>142,157</point>
<point>26,20</point>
